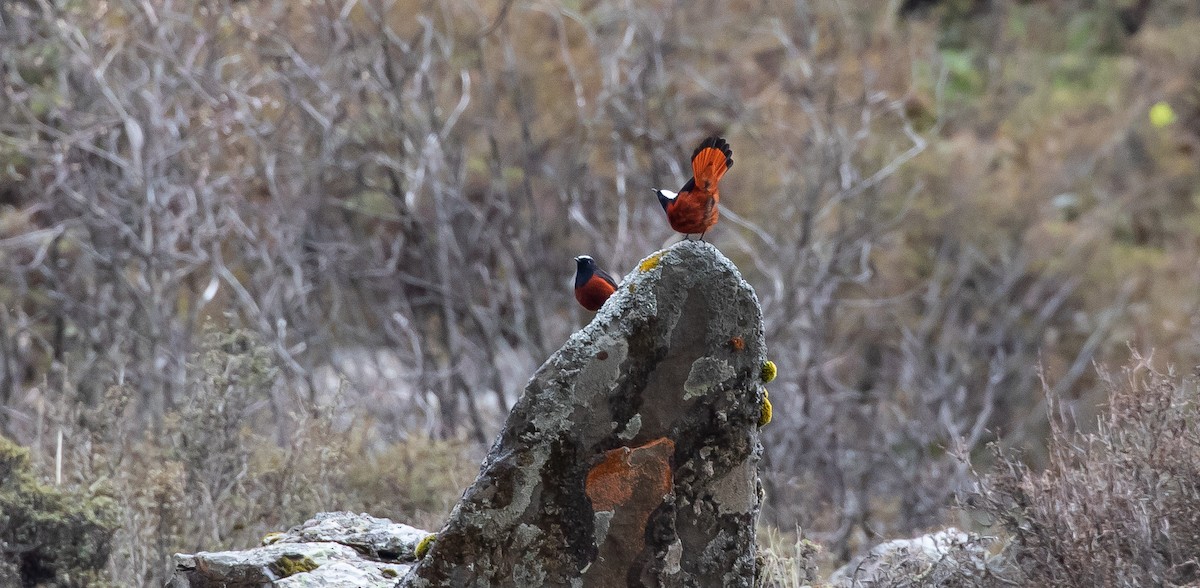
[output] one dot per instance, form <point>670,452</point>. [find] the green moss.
<point>424,545</point>
<point>293,563</point>
<point>65,536</point>
<point>389,573</point>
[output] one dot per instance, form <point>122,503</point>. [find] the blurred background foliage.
<point>265,257</point>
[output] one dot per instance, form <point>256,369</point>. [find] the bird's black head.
<point>585,266</point>
<point>665,197</point>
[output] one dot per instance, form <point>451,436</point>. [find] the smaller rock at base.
<point>342,574</point>
<point>375,537</point>
<point>331,549</point>
<point>935,559</point>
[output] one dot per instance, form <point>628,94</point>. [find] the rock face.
<point>631,458</point>
<point>331,549</point>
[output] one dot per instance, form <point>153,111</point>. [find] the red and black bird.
<point>593,285</point>
<point>694,208</point>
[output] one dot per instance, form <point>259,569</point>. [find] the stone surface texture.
<point>331,549</point>
<point>631,458</point>
<point>949,557</point>
<point>376,538</point>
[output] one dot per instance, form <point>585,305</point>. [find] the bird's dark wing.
<point>603,275</point>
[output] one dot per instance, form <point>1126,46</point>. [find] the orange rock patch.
<point>624,472</point>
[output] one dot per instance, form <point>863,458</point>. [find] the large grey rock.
<point>331,549</point>
<point>631,458</point>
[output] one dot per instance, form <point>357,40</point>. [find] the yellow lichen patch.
<point>768,371</point>
<point>391,572</point>
<point>293,563</point>
<point>764,416</point>
<point>424,545</point>
<point>650,262</point>
<point>272,538</point>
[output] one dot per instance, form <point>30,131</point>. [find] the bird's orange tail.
<point>710,161</point>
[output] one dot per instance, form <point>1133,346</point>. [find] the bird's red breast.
<point>694,210</point>
<point>595,291</point>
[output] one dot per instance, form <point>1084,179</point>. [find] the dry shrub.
<point>786,560</point>
<point>212,475</point>
<point>416,481</point>
<point>1117,507</point>
<point>217,475</point>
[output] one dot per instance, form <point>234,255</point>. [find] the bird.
<point>593,285</point>
<point>694,208</point>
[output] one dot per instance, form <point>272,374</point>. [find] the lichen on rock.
<point>768,372</point>
<point>767,411</point>
<point>290,564</point>
<point>650,262</point>
<point>424,545</point>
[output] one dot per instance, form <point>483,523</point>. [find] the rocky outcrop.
<point>631,458</point>
<point>331,549</point>
<point>375,538</point>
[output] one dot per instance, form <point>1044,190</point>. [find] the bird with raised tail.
<point>694,208</point>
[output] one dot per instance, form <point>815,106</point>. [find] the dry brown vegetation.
<point>1117,507</point>
<point>265,257</point>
